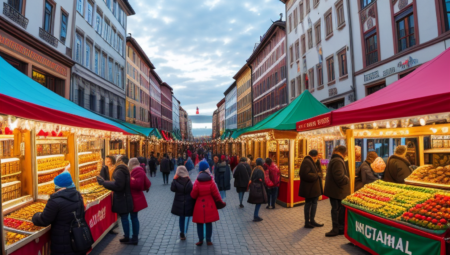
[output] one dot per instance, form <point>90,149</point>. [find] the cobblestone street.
<point>281,232</point>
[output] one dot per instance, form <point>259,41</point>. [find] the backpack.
<point>222,169</point>
<point>80,234</point>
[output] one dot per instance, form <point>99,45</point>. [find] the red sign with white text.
<point>39,246</point>
<point>99,217</point>
<point>317,122</point>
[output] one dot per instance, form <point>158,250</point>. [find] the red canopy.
<point>424,91</point>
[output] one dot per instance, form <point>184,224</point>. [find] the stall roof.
<point>145,131</point>
<point>23,97</point>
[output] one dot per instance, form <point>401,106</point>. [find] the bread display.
<point>431,174</point>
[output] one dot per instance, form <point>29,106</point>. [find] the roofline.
<point>152,71</point>
<point>230,88</point>
<point>130,9</point>
<point>264,40</point>
<point>140,50</point>
<point>241,71</point>
<point>167,85</point>
<point>221,102</point>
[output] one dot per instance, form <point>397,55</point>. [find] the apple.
<point>434,221</point>
<point>443,221</point>
<point>418,206</point>
<point>423,217</point>
<point>410,214</point>
<point>429,219</point>
<point>418,216</point>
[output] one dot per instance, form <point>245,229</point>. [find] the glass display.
<point>273,151</point>
<point>298,158</point>
<point>283,146</point>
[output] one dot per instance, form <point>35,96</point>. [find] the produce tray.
<point>364,210</point>
<point>428,184</point>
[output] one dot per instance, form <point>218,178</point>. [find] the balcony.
<point>14,15</point>
<point>46,36</point>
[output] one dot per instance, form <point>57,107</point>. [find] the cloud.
<point>198,48</point>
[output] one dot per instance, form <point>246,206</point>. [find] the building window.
<point>375,88</point>
<point>98,23</point>
<point>88,55</point>
<point>120,45</point>
<point>306,81</point>
<point>96,62</point>
<point>297,50</point>
<point>328,24</point>
<point>405,31</point>
<point>119,112</point>
<point>303,44</point>
<point>116,72</point>
<point>103,67</point>
<point>310,39</point>
<point>342,56</point>
<point>301,11</point>
<point>89,12</point>
<point>79,49</point>
<point>319,75</point>
<point>92,101</point>
<point>48,16</point>
<point>311,78</point>
<point>291,55</point>
<point>340,14</point>
<point>447,14</point>
<point>80,6</point>
<point>330,68</point>
<point>307,6</point>
<point>292,88</point>
<point>111,109</point>
<point>315,3</point>
<point>16,4</point>
<point>365,3</point>
<point>290,22</point>
<point>81,97</point>
<point>371,48</point>
<point>336,104</point>
<point>102,105</point>
<point>317,32</point>
<point>299,84</point>
<point>63,33</point>
<point>110,70</point>
<point>295,18</point>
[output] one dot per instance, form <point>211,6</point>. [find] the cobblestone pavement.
<point>280,232</point>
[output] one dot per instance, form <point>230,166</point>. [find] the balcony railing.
<point>46,36</point>
<point>14,15</point>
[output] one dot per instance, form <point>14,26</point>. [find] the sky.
<point>197,46</point>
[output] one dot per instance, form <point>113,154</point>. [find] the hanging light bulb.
<point>394,124</point>
<point>422,121</point>
<point>388,125</point>
<point>434,130</point>
<point>444,130</point>
<point>374,125</point>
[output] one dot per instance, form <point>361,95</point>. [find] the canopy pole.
<point>351,158</point>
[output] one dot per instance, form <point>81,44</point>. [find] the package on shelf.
<point>49,163</point>
<point>84,158</point>
<point>48,177</point>
<point>9,167</point>
<point>6,148</point>
<point>11,191</point>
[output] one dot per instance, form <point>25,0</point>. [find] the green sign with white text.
<point>384,239</point>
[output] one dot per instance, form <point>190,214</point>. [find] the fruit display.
<point>20,225</point>
<point>46,189</point>
<point>48,177</point>
<point>49,163</point>
<point>431,174</point>
<point>433,214</point>
<point>84,158</point>
<point>27,212</point>
<point>11,237</point>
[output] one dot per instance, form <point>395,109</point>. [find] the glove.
<point>100,180</point>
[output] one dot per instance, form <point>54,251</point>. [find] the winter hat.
<point>222,158</point>
<point>133,163</point>
<point>371,156</point>
<point>63,180</point>
<point>202,166</point>
<point>259,161</point>
<point>182,172</point>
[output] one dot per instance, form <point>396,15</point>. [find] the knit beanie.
<point>259,162</point>
<point>63,180</point>
<point>371,156</point>
<point>202,166</point>
<point>133,163</point>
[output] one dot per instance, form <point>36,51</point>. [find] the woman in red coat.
<point>206,194</point>
<point>138,183</point>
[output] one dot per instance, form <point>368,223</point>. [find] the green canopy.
<point>227,134</point>
<point>145,131</point>
<point>303,107</point>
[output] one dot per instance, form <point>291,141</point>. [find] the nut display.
<point>26,213</point>
<point>51,163</point>
<point>46,189</point>
<point>92,192</point>
<point>431,174</point>
<point>84,158</point>
<point>11,237</point>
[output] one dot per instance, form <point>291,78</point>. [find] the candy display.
<point>431,174</point>
<point>49,163</point>
<point>84,158</point>
<point>11,191</point>
<point>48,177</point>
<point>11,238</point>
<point>92,192</point>
<point>9,166</point>
<point>20,225</point>
<point>27,212</point>
<point>117,152</point>
<point>378,165</point>
<point>6,148</point>
<point>46,189</point>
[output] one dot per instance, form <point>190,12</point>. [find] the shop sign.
<point>332,92</point>
<point>100,217</point>
<point>320,121</point>
<point>371,76</point>
<point>410,62</point>
<point>386,239</point>
<point>23,50</point>
<point>402,65</point>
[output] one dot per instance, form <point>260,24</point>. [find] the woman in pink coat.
<point>138,183</point>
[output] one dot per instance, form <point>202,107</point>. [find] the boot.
<point>182,236</point>
<point>134,240</point>
<point>335,221</point>
<point>307,210</point>
<point>125,239</point>
<point>313,215</point>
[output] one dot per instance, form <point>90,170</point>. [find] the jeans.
<point>184,224</point>
<point>223,194</point>
<point>337,214</point>
<point>310,209</point>
<point>166,177</point>
<point>241,197</point>
<point>126,224</point>
<point>272,194</point>
<point>152,173</point>
<point>208,231</point>
<point>257,207</point>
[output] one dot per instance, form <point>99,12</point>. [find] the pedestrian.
<point>311,187</point>
<point>152,164</point>
<point>272,180</point>
<point>241,178</point>
<point>397,167</point>
<point>165,168</point>
<point>138,183</point>
<point>183,203</point>
<point>222,177</point>
<point>189,164</point>
<point>181,160</point>
<point>337,187</point>
<point>108,168</point>
<point>174,162</point>
<point>58,213</point>
<point>364,174</point>
<point>251,162</point>
<point>257,194</point>
<point>122,201</point>
<point>205,210</point>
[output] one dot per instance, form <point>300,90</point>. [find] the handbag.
<point>80,233</point>
<point>220,205</point>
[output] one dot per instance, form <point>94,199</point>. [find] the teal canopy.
<point>145,131</point>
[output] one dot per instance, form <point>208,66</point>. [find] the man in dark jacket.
<point>397,167</point>
<point>310,187</point>
<point>241,178</point>
<point>222,176</point>
<point>122,201</point>
<point>337,187</point>
<point>152,164</point>
<point>58,213</point>
<point>105,173</point>
<point>364,173</point>
<point>165,168</point>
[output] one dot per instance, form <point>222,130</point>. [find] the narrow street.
<point>281,232</point>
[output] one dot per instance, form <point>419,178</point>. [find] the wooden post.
<point>291,170</point>
<point>128,147</point>
<point>421,148</point>
<point>351,158</point>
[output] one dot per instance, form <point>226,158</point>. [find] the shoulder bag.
<point>80,233</point>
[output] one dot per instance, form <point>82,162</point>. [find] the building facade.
<point>268,65</point>
<point>221,114</point>
<point>137,84</point>
<point>319,47</point>
<point>36,38</point>
<point>99,45</point>
<point>231,107</point>
<point>190,137</point>
<point>155,100</point>
<point>175,115</point>
<point>244,97</point>
<point>166,107</point>
<point>215,124</point>
<point>183,123</point>
<point>393,38</point>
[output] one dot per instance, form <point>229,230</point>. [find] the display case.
<point>299,155</point>
<point>273,146</point>
<point>283,158</point>
<point>117,147</point>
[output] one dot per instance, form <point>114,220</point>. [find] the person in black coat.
<point>58,214</point>
<point>181,160</point>
<point>122,202</point>
<point>165,168</point>
<point>241,178</point>
<point>397,167</point>
<point>105,172</point>
<point>310,187</point>
<point>222,177</point>
<point>257,194</point>
<point>364,174</point>
<point>183,203</point>
<point>152,164</point>
<point>337,187</point>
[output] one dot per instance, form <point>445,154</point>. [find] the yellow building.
<point>244,97</point>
